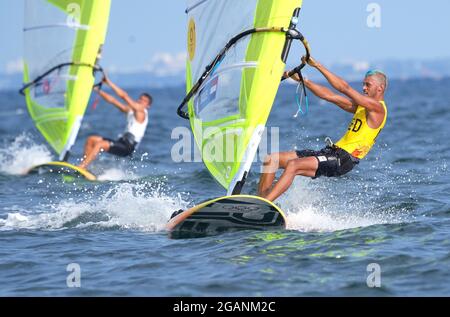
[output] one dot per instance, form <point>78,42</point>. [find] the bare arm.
<point>326,94</point>
<point>343,87</point>
<point>123,95</point>
<point>110,99</point>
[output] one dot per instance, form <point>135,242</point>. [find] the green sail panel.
<point>62,32</point>
<point>228,114</point>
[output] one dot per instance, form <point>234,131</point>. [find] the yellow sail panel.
<point>229,112</point>
<point>62,42</point>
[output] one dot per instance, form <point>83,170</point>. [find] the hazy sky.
<point>148,33</point>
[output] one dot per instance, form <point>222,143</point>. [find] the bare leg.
<point>90,143</point>
<point>95,150</point>
<point>271,164</point>
<point>301,166</point>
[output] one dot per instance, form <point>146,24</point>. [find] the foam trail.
<point>19,156</point>
<point>126,206</point>
<point>310,208</point>
<point>137,207</point>
<point>115,174</point>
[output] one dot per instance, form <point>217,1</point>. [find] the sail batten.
<point>60,25</point>
<point>229,110</point>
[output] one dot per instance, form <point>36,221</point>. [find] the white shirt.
<point>136,128</point>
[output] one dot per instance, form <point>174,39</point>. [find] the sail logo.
<point>43,89</point>
<point>192,39</point>
<point>207,94</point>
<point>52,85</point>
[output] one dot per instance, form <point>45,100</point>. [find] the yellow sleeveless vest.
<point>360,138</point>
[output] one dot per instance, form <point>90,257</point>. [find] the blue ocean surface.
<point>389,216</point>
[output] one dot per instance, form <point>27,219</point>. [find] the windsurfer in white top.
<point>137,117</point>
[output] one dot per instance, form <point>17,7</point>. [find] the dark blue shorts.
<point>333,161</point>
<point>124,146</point>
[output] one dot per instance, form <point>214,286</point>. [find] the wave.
<point>144,207</point>
<point>312,208</point>
<point>17,157</point>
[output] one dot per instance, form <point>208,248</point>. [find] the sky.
<point>150,34</point>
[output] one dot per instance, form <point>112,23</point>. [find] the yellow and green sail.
<point>57,33</point>
<point>230,110</point>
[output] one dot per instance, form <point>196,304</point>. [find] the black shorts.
<point>333,161</point>
<point>124,146</point>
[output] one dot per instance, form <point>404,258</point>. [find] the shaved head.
<point>379,76</point>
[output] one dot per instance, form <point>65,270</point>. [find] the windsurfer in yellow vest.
<point>370,113</point>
